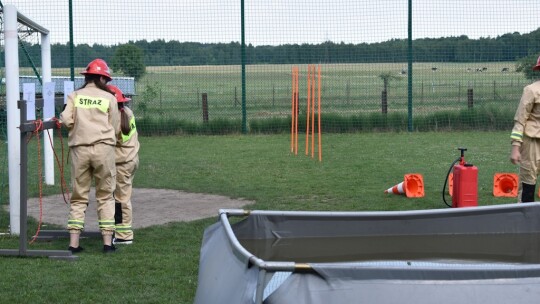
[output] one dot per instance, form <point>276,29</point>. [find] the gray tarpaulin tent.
<point>465,255</point>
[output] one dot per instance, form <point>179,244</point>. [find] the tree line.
<point>507,47</point>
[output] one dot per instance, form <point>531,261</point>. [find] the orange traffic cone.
<point>505,185</point>
<point>412,186</point>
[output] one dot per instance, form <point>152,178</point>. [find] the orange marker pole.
<point>296,71</point>
<point>308,100</point>
<point>292,109</point>
<point>319,111</point>
<point>296,115</point>
<point>313,112</point>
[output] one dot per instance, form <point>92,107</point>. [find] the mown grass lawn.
<point>162,266</point>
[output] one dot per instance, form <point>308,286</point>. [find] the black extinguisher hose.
<point>446,181</point>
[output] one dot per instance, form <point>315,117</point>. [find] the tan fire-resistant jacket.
<point>127,145</point>
<point>527,118</point>
<point>91,116</point>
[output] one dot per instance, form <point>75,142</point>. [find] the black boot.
<point>527,193</point>
<point>75,249</point>
<point>109,248</point>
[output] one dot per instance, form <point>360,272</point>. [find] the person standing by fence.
<point>127,162</point>
<point>526,139</point>
<point>92,118</point>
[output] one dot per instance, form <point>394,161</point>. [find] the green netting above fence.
<point>385,65</point>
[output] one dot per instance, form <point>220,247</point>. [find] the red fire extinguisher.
<point>465,186</point>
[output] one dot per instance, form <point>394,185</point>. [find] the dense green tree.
<point>132,57</point>
<point>128,59</point>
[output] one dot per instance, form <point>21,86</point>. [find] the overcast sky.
<point>273,22</point>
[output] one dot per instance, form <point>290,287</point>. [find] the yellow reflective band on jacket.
<point>517,136</point>
<point>106,224</point>
<point>75,224</point>
<point>133,129</point>
<point>123,228</point>
<point>88,102</point>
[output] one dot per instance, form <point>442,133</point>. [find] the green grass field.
<point>174,92</point>
<point>168,100</point>
<point>347,89</point>
<point>162,266</point>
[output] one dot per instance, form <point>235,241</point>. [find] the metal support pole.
<point>23,181</point>
<point>71,44</point>
<point>410,72</point>
<point>48,139</point>
<point>243,54</point>
<point>11,49</point>
<point>261,284</point>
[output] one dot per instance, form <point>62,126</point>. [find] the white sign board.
<point>29,94</point>
<point>68,88</point>
<point>48,100</point>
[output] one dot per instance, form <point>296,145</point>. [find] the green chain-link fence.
<point>220,66</point>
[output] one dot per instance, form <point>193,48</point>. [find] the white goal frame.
<point>11,38</point>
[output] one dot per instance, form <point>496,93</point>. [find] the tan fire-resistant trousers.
<point>124,186</point>
<point>530,160</point>
<point>97,162</point>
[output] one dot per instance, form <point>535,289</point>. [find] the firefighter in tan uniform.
<point>127,162</point>
<point>526,139</point>
<point>92,118</point>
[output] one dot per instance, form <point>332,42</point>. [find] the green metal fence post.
<point>71,48</point>
<point>243,54</point>
<point>410,72</point>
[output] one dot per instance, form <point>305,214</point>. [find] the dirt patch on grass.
<point>150,207</point>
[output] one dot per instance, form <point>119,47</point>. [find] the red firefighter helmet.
<point>98,67</point>
<point>537,66</point>
<point>120,97</point>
